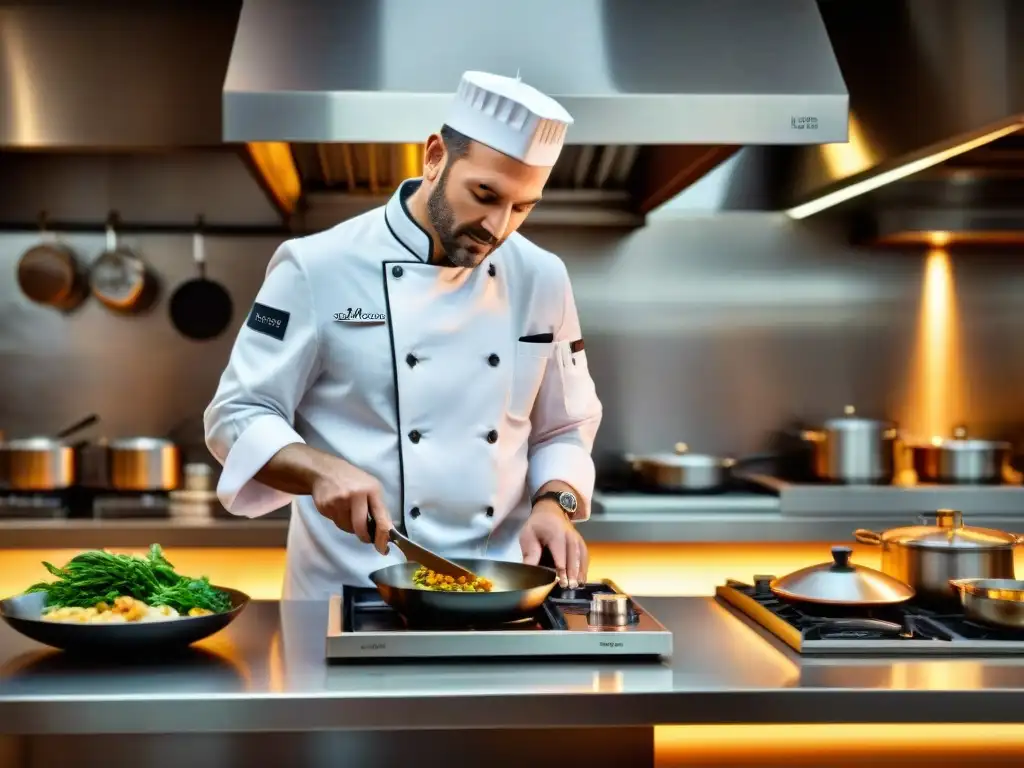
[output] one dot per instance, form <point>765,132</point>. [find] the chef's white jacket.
<point>419,375</point>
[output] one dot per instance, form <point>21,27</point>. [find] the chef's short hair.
<point>456,143</point>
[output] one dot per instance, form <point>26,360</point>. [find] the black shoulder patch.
<point>272,322</point>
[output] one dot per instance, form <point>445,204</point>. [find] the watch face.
<point>567,501</point>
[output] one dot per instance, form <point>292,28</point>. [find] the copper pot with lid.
<point>842,583</point>
<point>42,464</point>
<point>930,555</point>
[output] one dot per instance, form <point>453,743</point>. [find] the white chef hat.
<point>510,116</point>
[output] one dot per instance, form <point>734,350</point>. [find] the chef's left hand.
<point>548,528</point>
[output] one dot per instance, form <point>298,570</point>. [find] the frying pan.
<point>24,614</point>
<point>519,590</point>
<point>49,273</point>
<point>200,308</point>
<point>120,279</point>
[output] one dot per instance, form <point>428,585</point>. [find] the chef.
<point>421,363</point>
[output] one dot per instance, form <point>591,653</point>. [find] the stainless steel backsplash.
<point>714,330</point>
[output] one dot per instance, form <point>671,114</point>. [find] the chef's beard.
<point>442,219</point>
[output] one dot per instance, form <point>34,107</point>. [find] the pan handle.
<point>865,536</point>
<point>869,625</point>
<point>371,527</point>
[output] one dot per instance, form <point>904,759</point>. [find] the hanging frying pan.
<point>200,308</point>
<point>120,279</point>
<point>49,273</point>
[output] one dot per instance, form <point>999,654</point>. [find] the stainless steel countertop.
<point>267,672</point>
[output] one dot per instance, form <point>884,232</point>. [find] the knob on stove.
<point>610,609</point>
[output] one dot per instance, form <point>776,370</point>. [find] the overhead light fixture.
<point>850,191</point>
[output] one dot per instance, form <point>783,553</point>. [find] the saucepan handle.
<point>864,536</point>
<point>371,528</point>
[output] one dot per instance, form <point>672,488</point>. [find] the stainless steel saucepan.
<point>852,449</point>
<point>961,460</point>
<point>996,602</point>
<point>682,471</point>
<point>929,555</point>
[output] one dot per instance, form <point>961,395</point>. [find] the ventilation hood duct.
<point>929,81</point>
<point>976,199</point>
<point>115,105</point>
<point>661,90</point>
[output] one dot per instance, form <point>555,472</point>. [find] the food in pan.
<point>424,578</point>
<point>99,587</point>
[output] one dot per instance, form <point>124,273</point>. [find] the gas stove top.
<point>362,627</point>
<point>907,630</point>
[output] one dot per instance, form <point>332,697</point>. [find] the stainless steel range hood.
<point>930,81</point>
<point>661,90</point>
<point>115,105</point>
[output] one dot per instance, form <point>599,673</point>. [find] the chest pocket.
<point>531,363</point>
<point>578,390</point>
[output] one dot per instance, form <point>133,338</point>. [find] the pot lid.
<point>139,443</point>
<point>949,532</point>
<point>681,457</point>
<point>842,583</point>
<point>850,420</point>
<point>960,441</point>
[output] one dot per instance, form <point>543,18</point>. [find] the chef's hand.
<point>548,528</point>
<point>345,494</point>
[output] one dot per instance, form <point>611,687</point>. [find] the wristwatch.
<point>565,499</point>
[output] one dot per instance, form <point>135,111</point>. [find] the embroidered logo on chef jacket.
<point>360,316</point>
<point>272,322</point>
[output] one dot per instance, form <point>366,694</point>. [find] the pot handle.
<point>864,536</point>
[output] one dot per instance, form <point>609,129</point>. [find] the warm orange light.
<point>936,397</point>
<point>929,238</point>
<point>838,745</point>
<point>277,166</point>
<point>856,155</point>
<point>642,569</point>
<point>412,160</point>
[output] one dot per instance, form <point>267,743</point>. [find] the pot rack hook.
<point>199,247</point>
<point>44,227</point>
<point>113,221</point>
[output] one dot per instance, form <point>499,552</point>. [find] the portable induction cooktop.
<point>592,621</point>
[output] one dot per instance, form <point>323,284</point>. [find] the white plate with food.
<point>105,602</point>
